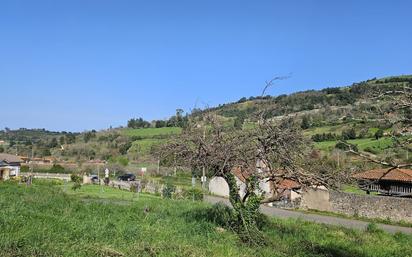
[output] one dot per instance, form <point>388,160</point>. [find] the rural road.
<point>348,223</point>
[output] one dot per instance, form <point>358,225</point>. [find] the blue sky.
<point>81,64</point>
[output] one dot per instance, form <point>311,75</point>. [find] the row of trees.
<point>177,120</point>
<point>347,134</point>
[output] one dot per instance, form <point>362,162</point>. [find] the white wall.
<point>218,186</point>
<point>14,170</point>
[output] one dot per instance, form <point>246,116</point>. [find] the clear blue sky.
<point>81,64</point>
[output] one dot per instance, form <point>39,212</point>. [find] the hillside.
<point>332,99</point>
<point>327,116</point>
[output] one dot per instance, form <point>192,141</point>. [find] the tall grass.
<point>43,220</point>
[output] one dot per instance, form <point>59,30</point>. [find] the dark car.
<point>94,179</point>
<point>127,177</point>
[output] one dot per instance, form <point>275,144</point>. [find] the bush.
<point>221,215</point>
<point>371,150</point>
<point>193,194</point>
<point>56,168</point>
<point>344,146</point>
<point>168,191</point>
<point>349,134</point>
<point>373,228</point>
<point>77,181</point>
<point>24,169</point>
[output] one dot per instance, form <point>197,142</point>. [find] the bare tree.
<point>270,152</point>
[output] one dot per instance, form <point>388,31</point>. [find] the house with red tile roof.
<point>395,182</point>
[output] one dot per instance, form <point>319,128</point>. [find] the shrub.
<point>24,169</point>
<point>77,181</point>
<point>193,194</point>
<point>221,215</point>
<point>344,146</point>
<point>56,168</point>
<point>373,228</point>
<point>349,134</point>
<point>371,150</point>
<point>168,191</point>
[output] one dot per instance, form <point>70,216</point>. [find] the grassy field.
<point>51,220</point>
<point>144,146</point>
<point>377,145</point>
<point>149,137</point>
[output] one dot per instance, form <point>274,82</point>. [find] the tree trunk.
<point>246,211</point>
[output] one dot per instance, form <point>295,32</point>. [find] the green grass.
<point>149,137</point>
<point>182,179</point>
<point>151,132</point>
<point>353,189</point>
<point>337,129</point>
<point>144,146</point>
<point>43,220</point>
<point>377,145</point>
<point>103,192</point>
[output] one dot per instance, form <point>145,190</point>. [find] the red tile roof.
<point>288,184</point>
<point>404,175</point>
<point>241,174</point>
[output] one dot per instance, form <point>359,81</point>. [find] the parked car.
<point>127,177</point>
<point>94,179</point>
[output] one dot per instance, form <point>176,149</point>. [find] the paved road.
<point>348,223</point>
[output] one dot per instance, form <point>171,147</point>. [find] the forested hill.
<point>310,101</point>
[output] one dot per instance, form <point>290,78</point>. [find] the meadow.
<point>49,219</point>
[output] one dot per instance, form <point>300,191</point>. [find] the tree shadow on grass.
<point>329,250</point>
<point>222,216</point>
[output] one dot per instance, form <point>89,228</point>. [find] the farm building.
<point>288,188</point>
<point>396,182</point>
<point>9,166</point>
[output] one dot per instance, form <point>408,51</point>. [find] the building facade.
<point>393,182</point>
<point>9,166</point>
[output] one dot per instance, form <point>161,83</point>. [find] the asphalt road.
<point>348,223</point>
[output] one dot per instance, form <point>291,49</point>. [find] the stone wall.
<point>381,207</point>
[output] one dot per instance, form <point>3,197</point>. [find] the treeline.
<point>34,142</point>
<point>180,119</point>
<point>347,134</point>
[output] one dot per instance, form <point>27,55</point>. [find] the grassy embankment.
<point>51,220</point>
<point>147,137</point>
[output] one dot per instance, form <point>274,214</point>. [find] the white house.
<point>288,188</point>
<point>9,166</point>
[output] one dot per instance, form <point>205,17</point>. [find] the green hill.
<point>327,115</point>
